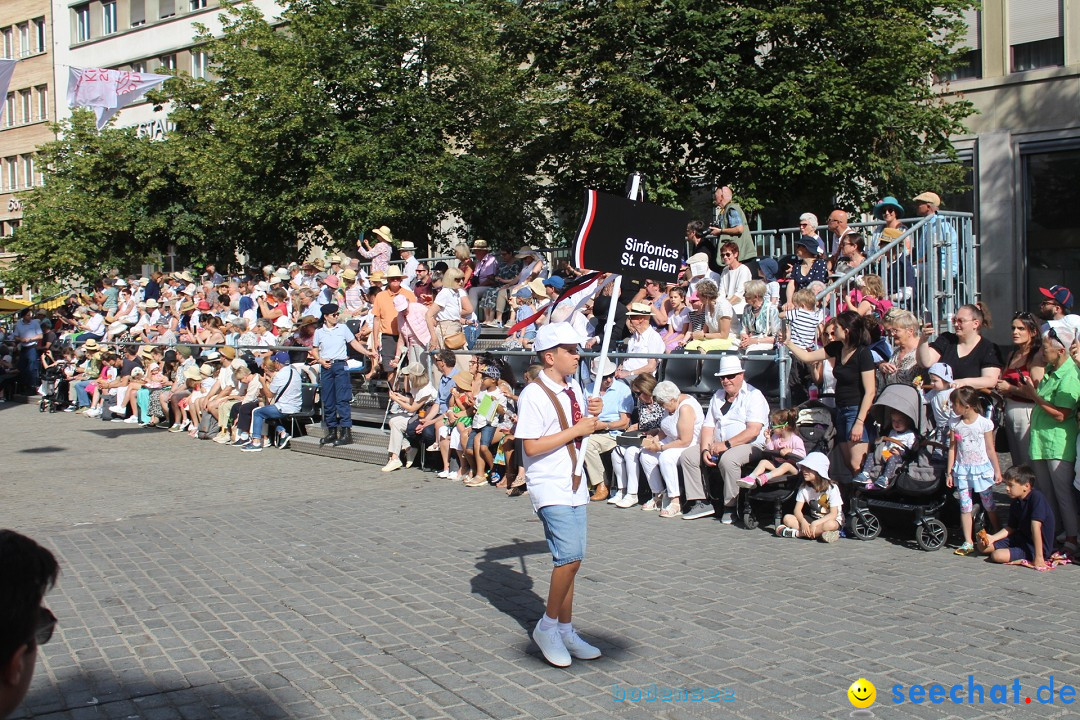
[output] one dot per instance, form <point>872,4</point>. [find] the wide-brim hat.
<point>332,281</point>
<point>120,282</point>
<point>187,306</point>
<point>928,197</point>
<point>305,321</point>
<point>117,327</point>
<point>554,334</point>
<point>811,244</point>
<point>189,290</point>
<point>608,368</point>
<point>186,277</point>
<point>284,322</point>
<point>525,251</point>
<point>729,365</point>
<point>384,233</point>
<point>375,277</point>
<point>415,369</point>
<point>537,287</point>
<point>282,274</point>
<point>319,264</point>
<point>145,352</point>
<point>227,352</point>
<point>91,345</point>
<point>393,272</point>
<point>151,304</point>
<point>639,309</point>
<point>888,202</point>
<point>203,306</point>
<point>334,260</point>
<point>818,462</point>
<point>349,275</point>
<point>464,380</point>
<point>192,373</point>
<point>206,370</point>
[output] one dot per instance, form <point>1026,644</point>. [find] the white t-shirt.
<point>818,504</point>
<point>450,302</point>
<point>549,475</point>
<point>95,325</point>
<point>748,406</point>
<point>970,440</point>
<point>647,342</point>
<point>290,400</point>
<point>733,282</point>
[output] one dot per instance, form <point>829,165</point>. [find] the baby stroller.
<point>54,389</point>
<point>917,484</point>
<point>815,427</point>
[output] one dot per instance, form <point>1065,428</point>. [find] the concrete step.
<point>364,449</point>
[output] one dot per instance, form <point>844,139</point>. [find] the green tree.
<point>110,199</point>
<point>783,100</point>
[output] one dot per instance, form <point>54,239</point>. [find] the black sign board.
<point>635,239</point>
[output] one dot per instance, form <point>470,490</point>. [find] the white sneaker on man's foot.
<point>579,648</point>
<point>551,644</point>
<point>392,464</point>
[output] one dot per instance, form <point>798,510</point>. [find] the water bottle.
<point>814,391</point>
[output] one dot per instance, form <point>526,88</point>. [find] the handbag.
<point>454,341</point>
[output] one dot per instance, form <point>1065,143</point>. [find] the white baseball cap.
<point>560,333</point>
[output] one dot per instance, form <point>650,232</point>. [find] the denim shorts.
<point>564,529</point>
<point>486,433</point>
<point>845,419</point>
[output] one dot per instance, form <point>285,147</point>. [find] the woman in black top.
<point>855,384</point>
<point>975,361</point>
<point>810,268</point>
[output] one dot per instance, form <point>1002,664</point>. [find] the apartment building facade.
<point>30,105</point>
<point>1023,148</point>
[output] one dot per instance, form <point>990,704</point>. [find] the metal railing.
<point>931,269</point>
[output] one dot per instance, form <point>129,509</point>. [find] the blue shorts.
<point>564,529</point>
<point>1018,549</point>
<point>845,419</point>
<point>486,433</point>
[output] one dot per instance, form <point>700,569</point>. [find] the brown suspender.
<point>563,424</point>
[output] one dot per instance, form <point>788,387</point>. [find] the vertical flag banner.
<point>7,69</point>
<point>635,239</point>
<point>107,91</point>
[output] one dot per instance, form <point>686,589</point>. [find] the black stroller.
<point>54,388</point>
<point>917,484</point>
<point>815,427</point>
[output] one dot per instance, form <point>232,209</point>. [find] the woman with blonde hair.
<point>465,263</point>
<point>445,313</point>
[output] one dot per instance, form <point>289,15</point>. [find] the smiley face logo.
<point>862,693</point>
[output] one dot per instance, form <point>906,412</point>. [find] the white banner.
<point>106,91</point>
<point>7,69</point>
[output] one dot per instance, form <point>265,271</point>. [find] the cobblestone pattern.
<point>277,585</point>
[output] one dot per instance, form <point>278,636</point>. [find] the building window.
<point>26,105</point>
<point>9,110</point>
<point>138,67</point>
<point>13,173</point>
<point>82,23</point>
<point>24,39</point>
<point>167,62</point>
<point>970,65</point>
<point>39,35</point>
<point>198,64</point>
<point>42,102</point>
<point>138,13</point>
<point>197,4</point>
<point>108,18</point>
<point>1036,34</point>
<point>9,43</point>
<point>28,170</point>
<point>1051,187</point>
<point>166,8</point>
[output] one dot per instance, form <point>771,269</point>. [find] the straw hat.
<point>538,289</point>
<point>384,233</point>
<point>407,245</point>
<point>464,380</point>
<point>349,275</point>
<point>375,277</point>
<point>187,306</point>
<point>393,272</point>
<point>192,373</point>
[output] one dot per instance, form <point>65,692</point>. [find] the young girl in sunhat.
<point>818,506</point>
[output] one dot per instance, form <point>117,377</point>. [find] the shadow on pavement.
<point>136,693</point>
<point>46,449</point>
<point>507,586</point>
<point>116,431</point>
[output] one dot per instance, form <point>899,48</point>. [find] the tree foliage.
<point>487,118</point>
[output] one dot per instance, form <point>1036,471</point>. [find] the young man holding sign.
<point>551,424</point>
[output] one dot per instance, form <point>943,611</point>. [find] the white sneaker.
<point>551,644</point>
<point>442,474</point>
<point>410,457</point>
<point>185,425</point>
<point>93,412</point>
<point>579,648</point>
<point>615,498</point>
<point>222,439</point>
<point>728,516</point>
<point>116,409</point>
<point>392,465</point>
<point>133,420</point>
<point>626,501</point>
<point>454,477</point>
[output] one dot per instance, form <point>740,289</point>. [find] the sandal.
<point>965,549</point>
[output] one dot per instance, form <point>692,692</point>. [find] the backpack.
<point>208,426</point>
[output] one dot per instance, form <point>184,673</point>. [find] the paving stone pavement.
<point>200,582</point>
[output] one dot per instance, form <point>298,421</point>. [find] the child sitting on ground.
<point>783,449</point>
<point>973,461</point>
<point>893,446</point>
<point>1028,536</point>
<point>817,504</point>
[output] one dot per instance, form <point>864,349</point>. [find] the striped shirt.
<point>803,325</point>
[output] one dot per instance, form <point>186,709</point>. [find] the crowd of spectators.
<point>224,357</point>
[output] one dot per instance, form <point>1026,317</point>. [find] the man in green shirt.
<point>729,224</point>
